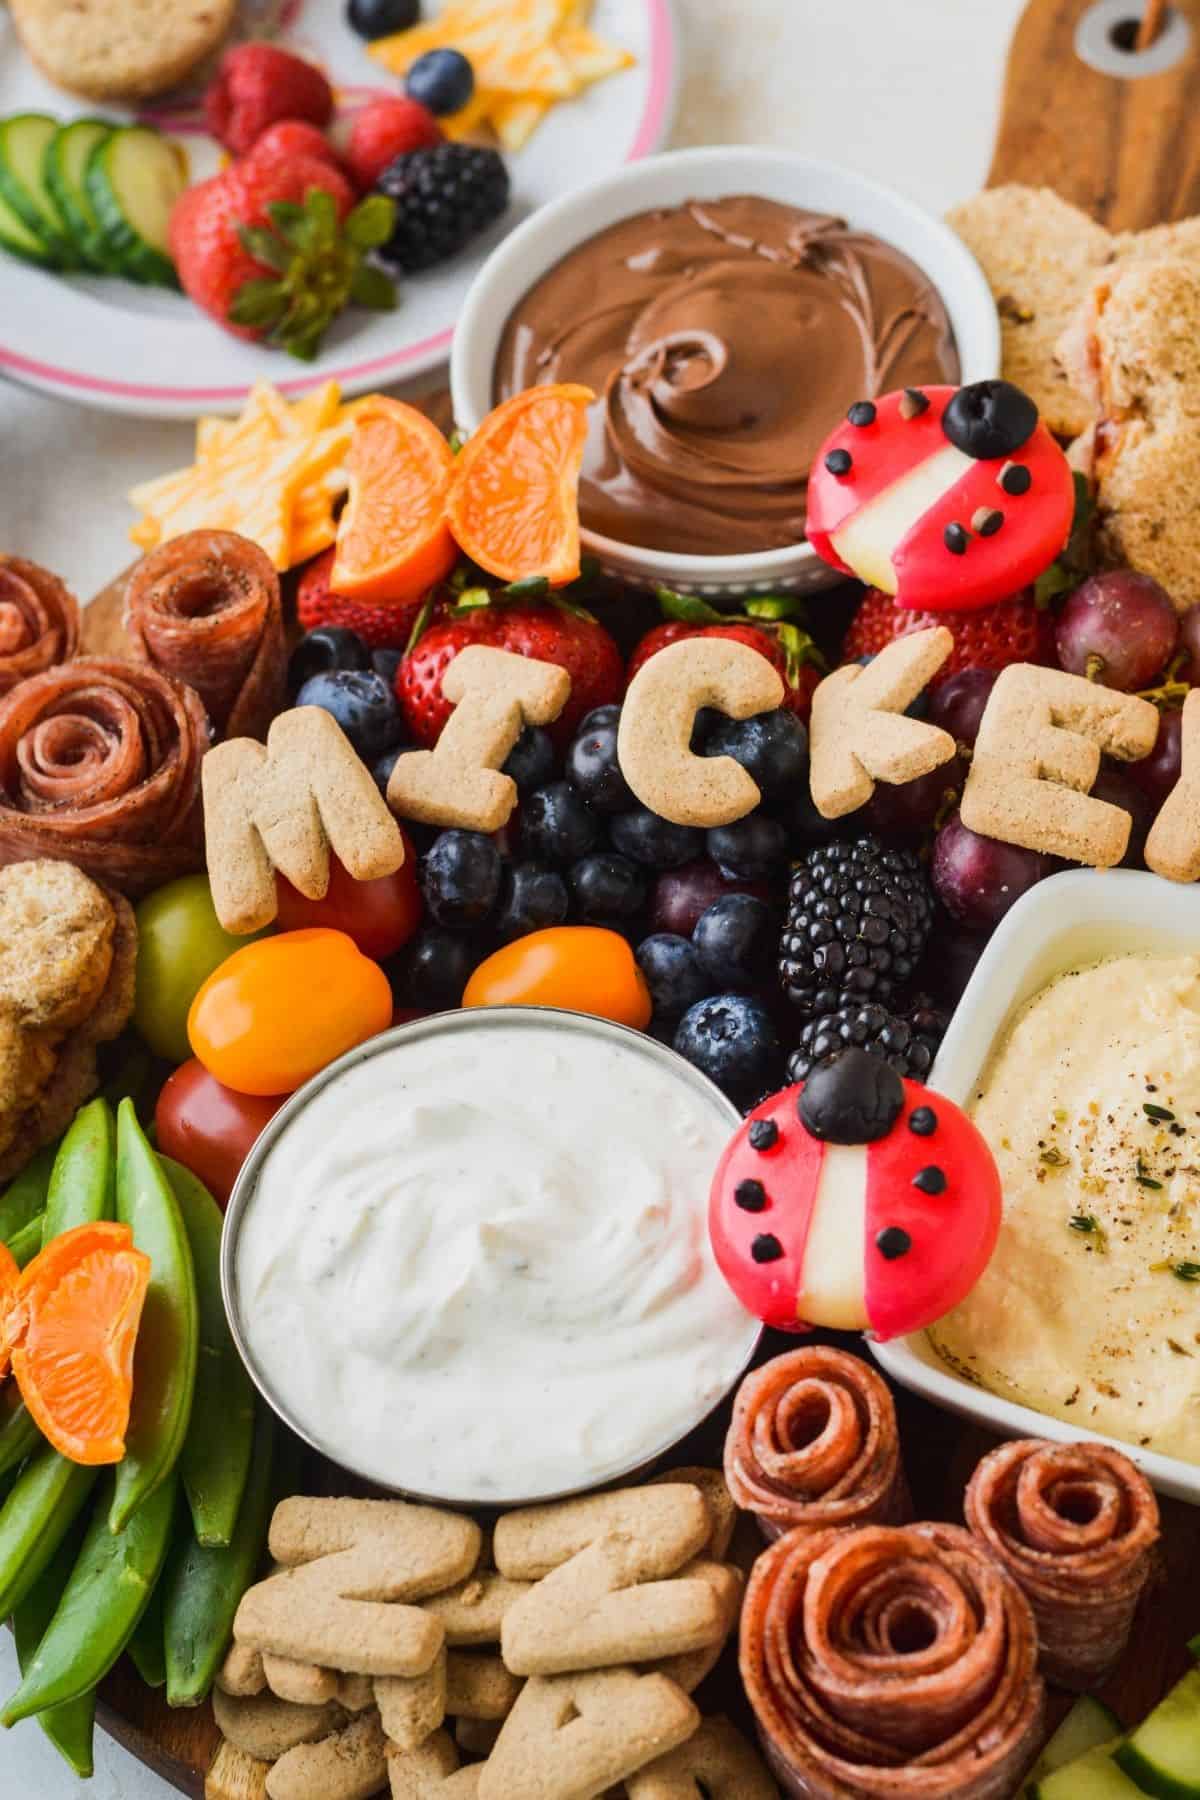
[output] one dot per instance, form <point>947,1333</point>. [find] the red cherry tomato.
<point>209,1128</point>
<point>279,1010</point>
<point>580,967</point>
<point>380,915</point>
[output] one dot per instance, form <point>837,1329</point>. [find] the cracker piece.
<point>1173,846</point>
<point>571,1736</point>
<point>355,1693</point>
<point>473,1612</point>
<point>411,1710</point>
<point>56,944</point>
<point>717,1761</point>
<point>120,49</point>
<point>718,1499</point>
<point>265,1727</point>
<point>692,1667</point>
<point>350,1764</point>
<point>431,1772</point>
<point>671,1520</point>
<point>479,1687</point>
<point>305,1684</point>
<point>241,1674</point>
<point>477,1737</point>
<point>858,733</point>
<point>233,1775</point>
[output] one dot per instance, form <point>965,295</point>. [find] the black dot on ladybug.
<point>1015,478</point>
<point>931,1180</point>
<point>922,1121</point>
<point>862,413</point>
<point>989,419</point>
<point>839,462</point>
<point>763,1134</point>
<point>893,1241</point>
<point>766,1248</point>
<point>751,1196</point>
<point>956,538</point>
<point>913,403</point>
<point>987,520</point>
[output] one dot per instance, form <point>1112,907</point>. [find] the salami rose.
<point>813,1441</point>
<point>205,608</point>
<point>1075,1525</point>
<point>100,766</point>
<point>39,621</point>
<point>891,1663</point>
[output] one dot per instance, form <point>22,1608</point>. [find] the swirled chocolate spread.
<point>724,340</point>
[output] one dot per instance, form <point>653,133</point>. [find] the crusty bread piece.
<point>120,49</point>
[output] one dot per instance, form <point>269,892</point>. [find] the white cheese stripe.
<point>832,1280</point>
<point>867,541</point>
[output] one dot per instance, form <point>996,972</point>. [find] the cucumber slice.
<point>1088,1723</point>
<point>1194,1648</point>
<point>16,237</point>
<point>1094,1776</point>
<point>1163,1754</point>
<point>67,154</point>
<point>23,142</point>
<point>133,179</point>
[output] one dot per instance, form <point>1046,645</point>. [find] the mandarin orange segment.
<point>82,1299</point>
<point>393,542</point>
<point>514,499</point>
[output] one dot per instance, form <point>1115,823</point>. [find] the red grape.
<point>1117,785</point>
<point>978,878</point>
<point>957,704</point>
<point>1157,773</point>
<point>910,809</point>
<point>1118,628</point>
<point>1189,644</point>
<point>681,895</point>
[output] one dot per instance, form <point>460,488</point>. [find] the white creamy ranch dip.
<point>476,1264</point>
<point>1090,1307</point>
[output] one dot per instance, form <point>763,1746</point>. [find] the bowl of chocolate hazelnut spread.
<point>726,307</point>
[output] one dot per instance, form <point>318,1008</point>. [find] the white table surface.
<point>904,90</point>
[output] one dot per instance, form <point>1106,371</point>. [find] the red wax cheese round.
<point>902,496</point>
<point>884,1236</point>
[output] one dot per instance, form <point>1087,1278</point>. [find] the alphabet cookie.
<point>858,732</point>
<point>948,498</point>
<point>1173,846</point>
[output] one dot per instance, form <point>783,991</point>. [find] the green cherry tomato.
<point>180,943</point>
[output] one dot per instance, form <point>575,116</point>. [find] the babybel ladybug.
<point>947,498</point>
<point>856,1201</point>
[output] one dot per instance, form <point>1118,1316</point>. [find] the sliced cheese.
<point>869,539</point>
<point>833,1288</point>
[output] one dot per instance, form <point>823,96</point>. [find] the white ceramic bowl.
<point>1069,919</point>
<point>708,174</point>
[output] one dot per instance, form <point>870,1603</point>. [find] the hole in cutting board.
<point>1106,34</point>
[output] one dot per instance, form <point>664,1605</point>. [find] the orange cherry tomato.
<point>279,1010</point>
<point>579,967</point>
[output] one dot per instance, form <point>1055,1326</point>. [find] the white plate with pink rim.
<point>109,343</point>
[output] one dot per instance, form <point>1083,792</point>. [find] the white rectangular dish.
<point>1069,919</point>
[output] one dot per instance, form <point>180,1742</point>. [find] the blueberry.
<point>673,974</point>
<point>378,18</point>
<point>533,897</point>
<point>735,939</point>
<point>593,770</point>
<point>432,970</point>
<point>798,815</point>
<point>460,878</point>
<point>607,887</point>
<point>750,847</point>
<point>919,708</point>
<point>987,419</point>
<point>442,80</point>
<point>387,663</point>
<point>732,1040</point>
<point>329,647</point>
<point>557,825</point>
<point>648,839</point>
<point>363,705</point>
<point>531,761</point>
<point>382,767</point>
<point>772,747</point>
<point>600,716</point>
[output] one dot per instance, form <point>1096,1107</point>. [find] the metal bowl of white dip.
<point>469,1261</point>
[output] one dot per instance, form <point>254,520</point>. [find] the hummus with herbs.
<point>1090,1308</point>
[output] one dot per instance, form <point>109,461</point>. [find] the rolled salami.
<point>39,621</point>
<point>100,767</point>
<point>891,1663</point>
<point>813,1441</point>
<point>205,608</point>
<point>1075,1525</point>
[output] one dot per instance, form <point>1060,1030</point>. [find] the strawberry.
<point>987,637</point>
<point>293,137</point>
<point>386,129</point>
<point>271,248</point>
<point>382,627</point>
<point>550,631</point>
<point>770,632</point>
<point>255,85</point>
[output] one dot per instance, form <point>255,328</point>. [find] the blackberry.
<point>858,920</point>
<point>444,197</point>
<point>908,1045</point>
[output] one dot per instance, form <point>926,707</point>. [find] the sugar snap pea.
<point>26,1243</point>
<point>48,1495</point>
<point>70,1726</point>
<point>82,1180</point>
<point>25,1195</point>
<point>106,1594</point>
<point>215,1459</point>
<point>202,1586</point>
<point>164,1363</point>
<point>18,1433</point>
<point>146,1645</point>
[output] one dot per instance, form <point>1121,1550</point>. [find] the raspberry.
<point>385,130</point>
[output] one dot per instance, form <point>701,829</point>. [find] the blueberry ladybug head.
<point>987,419</point>
<point>853,1098</point>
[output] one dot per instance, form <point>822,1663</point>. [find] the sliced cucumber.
<point>1194,1648</point>
<point>1163,1754</point>
<point>1088,1723</point>
<point>23,141</point>
<point>16,237</point>
<point>1094,1776</point>
<point>67,155</point>
<point>133,179</point>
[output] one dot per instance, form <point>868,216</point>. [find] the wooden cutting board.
<point>1128,152</point>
